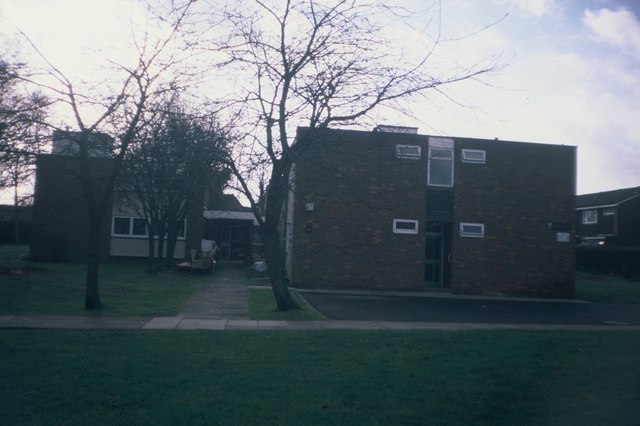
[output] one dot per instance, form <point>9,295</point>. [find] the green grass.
<point>319,377</point>
<point>36,288</point>
<point>262,302</point>
<point>262,306</point>
<point>607,289</point>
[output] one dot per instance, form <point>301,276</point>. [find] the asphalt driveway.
<point>405,308</point>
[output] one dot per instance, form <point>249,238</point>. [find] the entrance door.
<point>434,255</point>
<point>233,243</point>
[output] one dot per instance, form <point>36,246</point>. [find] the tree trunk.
<point>160,252</point>
<point>16,222</point>
<point>277,273</point>
<point>92,296</point>
<point>172,239</point>
<point>151,257</point>
<point>276,194</point>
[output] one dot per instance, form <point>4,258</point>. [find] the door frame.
<point>439,260</point>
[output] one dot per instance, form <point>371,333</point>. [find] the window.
<point>474,156</point>
<point>475,230</point>
<point>440,162</point>
<point>181,231</point>
<point>136,227</point>
<point>120,226</point>
<point>139,226</point>
<point>589,216</point>
<point>405,226</point>
<point>411,152</point>
<point>608,211</point>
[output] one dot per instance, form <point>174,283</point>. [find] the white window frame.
<point>466,158</point>
<point>130,234</point>
<point>608,211</point>
<point>408,156</point>
<point>467,233</point>
<point>590,216</point>
<point>113,226</point>
<point>132,221</point>
<point>440,144</point>
<point>397,230</point>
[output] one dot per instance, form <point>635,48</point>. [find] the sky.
<point>568,74</point>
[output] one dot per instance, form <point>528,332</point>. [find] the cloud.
<point>535,8</point>
<point>620,27</point>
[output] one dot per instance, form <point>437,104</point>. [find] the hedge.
<point>622,261</point>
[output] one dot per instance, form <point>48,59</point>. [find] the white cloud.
<point>620,28</point>
<point>535,8</point>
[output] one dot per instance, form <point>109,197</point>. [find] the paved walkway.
<point>221,304</point>
<point>224,296</point>
<point>183,323</point>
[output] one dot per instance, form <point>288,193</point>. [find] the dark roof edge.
<point>300,130</point>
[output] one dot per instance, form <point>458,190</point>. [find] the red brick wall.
<point>60,220</point>
<point>521,188</point>
<point>357,187</point>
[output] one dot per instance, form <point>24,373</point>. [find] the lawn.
<point>37,288</point>
<point>262,306</point>
<point>606,289</point>
<point>319,377</point>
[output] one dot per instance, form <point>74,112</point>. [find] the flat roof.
<point>224,214</point>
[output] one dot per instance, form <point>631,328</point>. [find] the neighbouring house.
<point>610,218</point>
<point>391,209</point>
<point>60,219</point>
<point>129,237</point>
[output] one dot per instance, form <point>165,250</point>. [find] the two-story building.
<point>609,218</point>
<point>391,209</point>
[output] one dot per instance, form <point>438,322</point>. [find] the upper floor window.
<point>608,211</point>
<point>440,162</point>
<point>589,216</point>
<point>410,152</point>
<point>474,156</point>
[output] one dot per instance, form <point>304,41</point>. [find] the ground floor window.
<point>405,226</point>
<point>121,226</point>
<point>136,227</point>
<point>475,230</point>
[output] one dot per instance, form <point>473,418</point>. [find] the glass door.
<point>233,243</point>
<point>434,255</point>
<point>238,243</point>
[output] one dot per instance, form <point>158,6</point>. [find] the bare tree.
<point>315,64</point>
<point>122,112</point>
<point>166,170</point>
<point>22,133</point>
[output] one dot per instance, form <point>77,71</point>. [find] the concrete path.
<point>182,323</point>
<point>224,296</point>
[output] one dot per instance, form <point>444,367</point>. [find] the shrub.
<point>622,261</point>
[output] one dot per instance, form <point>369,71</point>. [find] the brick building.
<point>391,209</point>
<point>60,225</point>
<point>609,218</point>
